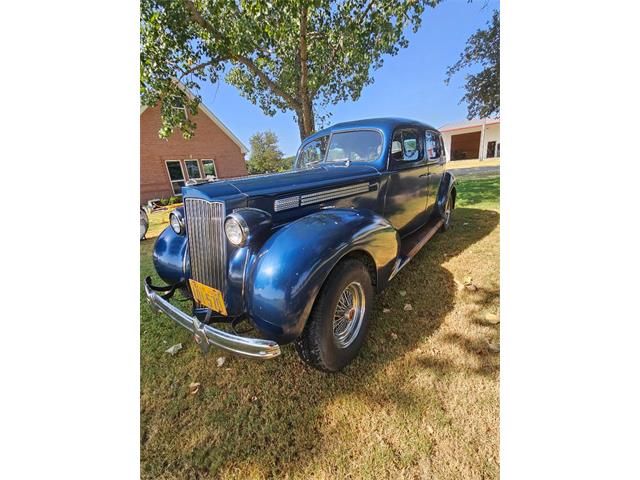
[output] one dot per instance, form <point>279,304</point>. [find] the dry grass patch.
<point>422,400</point>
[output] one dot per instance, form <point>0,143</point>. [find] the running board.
<point>413,243</point>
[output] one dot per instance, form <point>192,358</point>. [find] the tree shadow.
<point>272,415</point>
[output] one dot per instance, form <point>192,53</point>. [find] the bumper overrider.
<point>205,335</point>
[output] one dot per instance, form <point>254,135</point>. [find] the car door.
<point>436,161</point>
<point>407,189</point>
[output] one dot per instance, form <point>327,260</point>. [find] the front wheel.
<point>337,326</point>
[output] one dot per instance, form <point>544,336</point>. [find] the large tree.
<point>266,156</point>
<point>283,55</point>
<point>482,90</point>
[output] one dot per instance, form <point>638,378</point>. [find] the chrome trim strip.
<point>334,193</point>
<point>245,346</point>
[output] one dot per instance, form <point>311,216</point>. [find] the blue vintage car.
<point>300,255</point>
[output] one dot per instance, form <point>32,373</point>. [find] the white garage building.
<point>472,139</point>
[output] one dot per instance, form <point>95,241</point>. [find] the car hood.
<point>279,184</point>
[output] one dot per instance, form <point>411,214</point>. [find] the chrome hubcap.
<point>348,315</point>
<point>447,211</point>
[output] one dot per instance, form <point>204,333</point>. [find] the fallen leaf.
<point>174,349</point>
<point>194,387</point>
<point>254,399</point>
<point>471,287</point>
<point>430,429</point>
<point>494,347</point>
<point>394,336</point>
<point>403,293</point>
<point>407,307</point>
<point>467,280</point>
<point>492,318</point>
<point>220,361</point>
<point>386,310</point>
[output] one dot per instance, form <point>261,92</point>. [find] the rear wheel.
<point>446,216</point>
<point>339,321</point>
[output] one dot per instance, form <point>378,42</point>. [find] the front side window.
<point>312,153</point>
<point>175,175</point>
<point>193,169</point>
<point>406,145</point>
<point>209,168</point>
<point>432,146</point>
<point>358,146</point>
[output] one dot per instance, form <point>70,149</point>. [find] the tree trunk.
<point>306,122</point>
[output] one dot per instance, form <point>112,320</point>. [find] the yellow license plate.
<point>208,296</point>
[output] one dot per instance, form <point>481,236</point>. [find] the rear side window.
<point>432,146</point>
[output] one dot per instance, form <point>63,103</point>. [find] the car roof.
<point>386,124</point>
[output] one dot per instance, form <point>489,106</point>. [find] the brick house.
<point>165,165</point>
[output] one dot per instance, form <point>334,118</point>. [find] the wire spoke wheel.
<point>447,210</point>
<point>348,315</point>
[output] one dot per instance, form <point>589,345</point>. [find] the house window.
<point>178,108</point>
<point>491,149</point>
<point>209,168</point>
<point>176,175</point>
<point>193,169</point>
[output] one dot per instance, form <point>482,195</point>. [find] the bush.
<point>173,200</point>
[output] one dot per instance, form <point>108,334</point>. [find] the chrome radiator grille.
<point>207,242</point>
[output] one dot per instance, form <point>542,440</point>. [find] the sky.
<point>410,84</point>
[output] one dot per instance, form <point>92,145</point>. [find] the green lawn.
<point>422,399</point>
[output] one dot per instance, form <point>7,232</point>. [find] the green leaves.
<point>482,89</point>
<point>284,55</point>
<point>266,157</point>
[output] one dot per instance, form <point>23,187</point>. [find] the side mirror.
<point>396,150</point>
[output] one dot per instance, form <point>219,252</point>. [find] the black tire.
<point>446,216</point>
<point>318,345</point>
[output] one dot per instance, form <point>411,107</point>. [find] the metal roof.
<point>384,123</point>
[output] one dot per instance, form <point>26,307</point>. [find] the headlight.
<point>236,229</point>
<point>177,222</point>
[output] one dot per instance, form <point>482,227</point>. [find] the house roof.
<point>468,124</point>
<point>215,120</point>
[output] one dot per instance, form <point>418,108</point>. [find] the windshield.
<point>356,146</point>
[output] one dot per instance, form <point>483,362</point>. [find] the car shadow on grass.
<point>280,417</point>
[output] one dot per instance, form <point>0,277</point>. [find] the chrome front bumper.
<point>205,335</point>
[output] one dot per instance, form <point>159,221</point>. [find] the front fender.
<point>285,277</point>
<point>170,257</point>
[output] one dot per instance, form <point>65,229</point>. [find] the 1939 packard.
<point>301,255</point>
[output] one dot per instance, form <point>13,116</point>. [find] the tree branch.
<point>246,61</point>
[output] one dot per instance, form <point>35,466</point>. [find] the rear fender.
<point>447,185</point>
<point>285,276</point>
